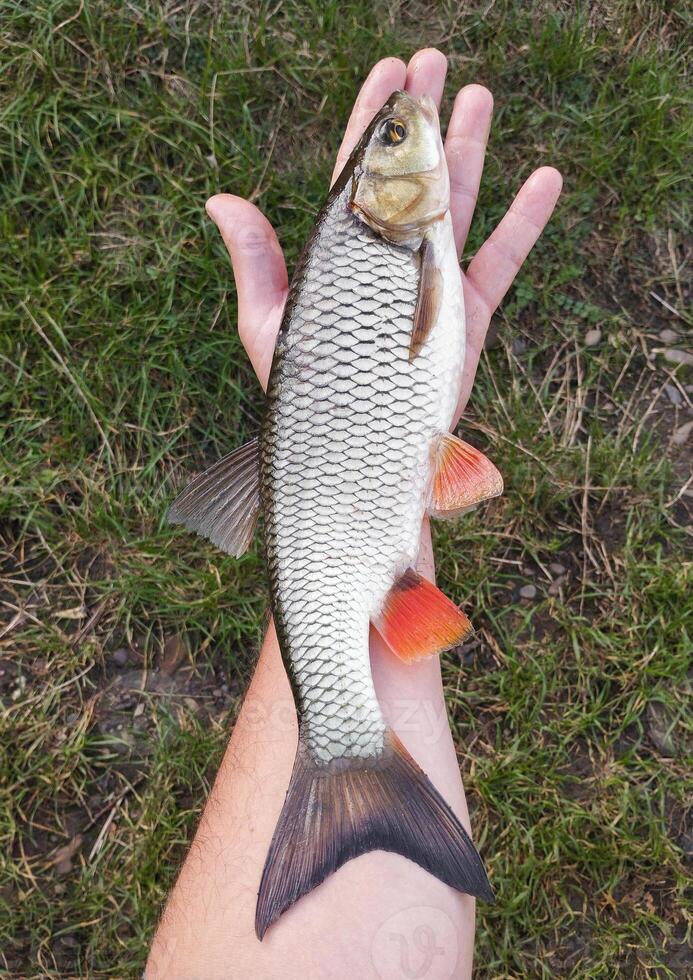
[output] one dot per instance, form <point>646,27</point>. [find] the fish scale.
<point>344,460</point>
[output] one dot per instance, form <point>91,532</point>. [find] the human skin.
<point>380,917</point>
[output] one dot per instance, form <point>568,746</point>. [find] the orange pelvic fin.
<point>418,621</point>
<point>462,477</point>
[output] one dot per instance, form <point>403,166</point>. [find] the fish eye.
<point>393,131</point>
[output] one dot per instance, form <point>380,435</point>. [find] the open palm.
<point>257,259</point>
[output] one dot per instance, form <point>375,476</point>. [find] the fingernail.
<point>210,208</point>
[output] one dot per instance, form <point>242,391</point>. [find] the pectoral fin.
<point>462,477</point>
<point>428,299</point>
<point>418,621</point>
<point>223,503</point>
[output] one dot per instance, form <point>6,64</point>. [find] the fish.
<point>354,450</point>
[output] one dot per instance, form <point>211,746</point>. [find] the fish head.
<point>400,183</point>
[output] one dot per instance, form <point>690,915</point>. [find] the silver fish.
<point>354,450</point>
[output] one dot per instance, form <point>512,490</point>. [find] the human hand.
<point>258,262</point>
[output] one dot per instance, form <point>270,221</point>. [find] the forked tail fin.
<point>330,817</point>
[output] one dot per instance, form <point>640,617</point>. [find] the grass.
<point>121,369</point>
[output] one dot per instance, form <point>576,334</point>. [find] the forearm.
<point>377,914</point>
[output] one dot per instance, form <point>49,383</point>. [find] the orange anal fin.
<point>418,621</point>
<point>462,477</point>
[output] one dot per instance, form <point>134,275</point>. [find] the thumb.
<point>260,274</point>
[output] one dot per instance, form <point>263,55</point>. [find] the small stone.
<point>175,650</point>
<point>518,346</point>
<point>217,692</point>
<point>120,657</point>
<point>592,337</point>
<point>526,570</point>
<point>556,568</point>
<point>62,859</point>
<point>668,336</point>
<point>138,710</point>
<point>555,587</point>
<point>675,356</point>
<point>528,592</point>
<point>680,436</point>
<point>59,889</point>
<point>673,394</point>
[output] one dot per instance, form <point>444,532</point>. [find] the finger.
<point>488,280</point>
<point>465,149</point>
<point>476,318</point>
<point>386,76</point>
<point>497,262</point>
<point>426,74</point>
<point>260,274</point>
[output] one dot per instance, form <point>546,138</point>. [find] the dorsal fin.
<point>223,503</point>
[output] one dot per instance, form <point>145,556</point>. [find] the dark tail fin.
<point>330,817</point>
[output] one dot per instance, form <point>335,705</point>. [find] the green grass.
<point>120,368</point>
